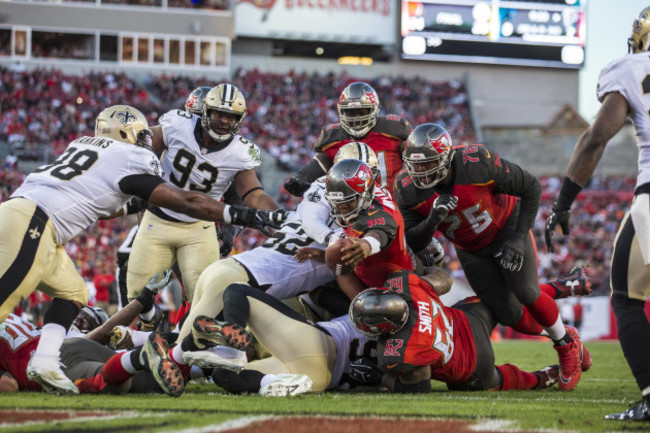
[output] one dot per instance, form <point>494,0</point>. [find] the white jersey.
<point>315,211</point>
<point>189,166</point>
<point>629,76</point>
<point>350,344</point>
<point>82,185</point>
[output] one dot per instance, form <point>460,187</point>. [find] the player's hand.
<point>297,185</point>
<point>556,217</point>
<point>121,338</point>
<point>226,237</point>
<point>249,217</point>
<point>357,251</point>
<point>433,254</point>
<point>442,205</point>
<point>278,217</point>
<point>159,281</point>
<point>512,252</point>
<point>135,205</point>
<point>309,253</point>
<point>366,372</point>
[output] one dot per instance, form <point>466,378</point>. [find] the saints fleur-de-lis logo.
<point>126,117</point>
<point>34,233</point>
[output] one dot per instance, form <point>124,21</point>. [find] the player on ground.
<point>486,206</point>
<point>93,179</point>
<point>358,109</point>
<point>623,88</point>
<point>198,154</point>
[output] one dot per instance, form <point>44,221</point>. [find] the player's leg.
<point>153,251</point>
<point>630,280</point>
<point>199,249</point>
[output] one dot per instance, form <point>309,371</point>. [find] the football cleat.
<point>287,385</point>
<point>46,371</point>
<point>640,412</point>
<point>208,332</point>
<point>547,377</point>
<point>154,323</point>
<point>575,284</point>
<point>570,364</point>
<point>585,356</point>
<point>154,355</point>
<point>219,356</point>
<point>121,338</point>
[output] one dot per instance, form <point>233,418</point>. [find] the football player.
<point>304,356</point>
<point>486,207</point>
<point>358,109</point>
<point>622,90</point>
<point>198,154</point>
<point>93,179</point>
<point>422,339</point>
<point>371,221</point>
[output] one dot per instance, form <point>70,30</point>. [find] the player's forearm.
<point>318,166</point>
<point>123,317</point>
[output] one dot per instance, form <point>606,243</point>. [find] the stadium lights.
<point>354,60</point>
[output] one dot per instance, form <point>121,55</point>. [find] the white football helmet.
<point>358,107</point>
<point>360,151</point>
<point>639,40</point>
<point>224,110</point>
<point>123,123</point>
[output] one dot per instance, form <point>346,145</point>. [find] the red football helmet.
<point>350,187</point>
<point>427,154</point>
<point>358,108</point>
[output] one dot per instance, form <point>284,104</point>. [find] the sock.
<point>527,324</point>
<point>176,354</point>
<point>52,336</point>
<point>185,368</point>
<point>557,331</point>
<point>148,315</point>
<point>115,372</point>
<point>544,310</point>
<point>513,378</point>
<point>91,385</point>
<point>549,290</point>
<point>134,360</point>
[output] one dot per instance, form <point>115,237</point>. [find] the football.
<point>333,257</point>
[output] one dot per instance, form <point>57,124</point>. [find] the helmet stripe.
<point>362,151</point>
<point>228,92</point>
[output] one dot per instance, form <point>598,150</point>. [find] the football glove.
<point>556,217</point>
<point>511,252</point>
<point>120,338</point>
<point>226,236</point>
<point>442,205</point>
<point>135,205</point>
<point>297,185</point>
<point>366,372</point>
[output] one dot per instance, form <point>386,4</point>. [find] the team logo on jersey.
<point>126,117</point>
<point>34,233</point>
<point>313,197</point>
<point>155,166</point>
<point>254,153</point>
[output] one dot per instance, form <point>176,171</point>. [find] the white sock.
<point>126,363</point>
<point>148,315</point>
<point>556,331</point>
<point>177,355</point>
<point>267,379</point>
<point>52,336</point>
<point>139,337</point>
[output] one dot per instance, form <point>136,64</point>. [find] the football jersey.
<point>628,76</point>
<point>315,212</point>
<point>189,166</point>
<point>382,215</point>
<point>481,182</point>
<point>273,264</point>
<point>18,339</point>
<point>434,335</point>
<point>350,345</point>
<point>385,139</point>
<point>82,185</point>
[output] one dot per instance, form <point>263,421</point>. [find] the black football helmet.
<point>89,318</point>
<point>194,101</point>
<point>358,108</point>
<point>428,154</point>
<point>350,188</point>
<point>377,312</point>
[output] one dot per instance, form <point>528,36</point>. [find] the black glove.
<point>366,372</point>
<point>556,217</point>
<point>278,217</point>
<point>512,252</point>
<point>444,204</point>
<point>135,205</point>
<point>226,236</point>
<point>253,218</point>
<point>297,185</point>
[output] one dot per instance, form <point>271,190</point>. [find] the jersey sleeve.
<point>611,79</point>
<point>313,212</point>
<point>141,161</point>
<point>249,154</point>
<point>377,219</point>
<point>170,122</point>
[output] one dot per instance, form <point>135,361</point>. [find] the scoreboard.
<point>547,33</point>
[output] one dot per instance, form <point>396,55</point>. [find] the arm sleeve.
<point>231,196</point>
<point>140,185</point>
<point>314,216</point>
<point>312,170</point>
<point>419,230</point>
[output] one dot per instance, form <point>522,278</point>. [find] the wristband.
<point>375,245</point>
<point>226,214</point>
<point>568,194</point>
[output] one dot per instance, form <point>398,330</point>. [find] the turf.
<point>607,387</point>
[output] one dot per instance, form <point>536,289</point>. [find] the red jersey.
<point>382,216</point>
<point>18,339</point>
<point>486,187</point>
<point>385,138</point>
<point>434,335</point>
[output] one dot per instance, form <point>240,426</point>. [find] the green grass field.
<point>607,387</point>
